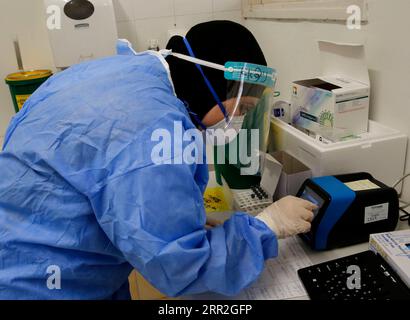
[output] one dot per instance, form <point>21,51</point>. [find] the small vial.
<point>153,45</point>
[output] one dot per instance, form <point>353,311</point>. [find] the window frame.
<point>302,9</point>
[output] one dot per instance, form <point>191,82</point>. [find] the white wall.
<point>142,20</point>
<point>291,48</point>
<point>137,20</point>
<point>22,19</point>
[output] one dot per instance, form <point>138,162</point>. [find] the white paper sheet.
<point>280,279</point>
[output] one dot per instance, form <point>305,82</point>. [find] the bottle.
<point>153,45</point>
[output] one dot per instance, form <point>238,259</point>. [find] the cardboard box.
<point>294,174</point>
<point>141,289</point>
<point>394,247</point>
<point>335,105</point>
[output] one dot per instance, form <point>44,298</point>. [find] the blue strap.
<point>208,83</point>
<point>194,115</point>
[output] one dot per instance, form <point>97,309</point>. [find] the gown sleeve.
<point>155,216</point>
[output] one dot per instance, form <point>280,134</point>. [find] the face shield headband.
<point>245,80</point>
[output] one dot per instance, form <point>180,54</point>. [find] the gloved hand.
<point>289,216</point>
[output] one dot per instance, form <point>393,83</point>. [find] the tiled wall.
<point>24,20</point>
<point>142,20</point>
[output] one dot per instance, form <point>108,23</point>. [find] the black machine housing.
<point>351,228</point>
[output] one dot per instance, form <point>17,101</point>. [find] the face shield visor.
<point>247,87</point>
<point>240,99</point>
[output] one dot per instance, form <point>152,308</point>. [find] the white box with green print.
<point>334,106</point>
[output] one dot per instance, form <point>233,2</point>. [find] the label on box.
<point>352,105</point>
<point>362,185</point>
<point>376,213</point>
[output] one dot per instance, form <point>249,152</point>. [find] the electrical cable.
<point>401,179</point>
<point>406,216</point>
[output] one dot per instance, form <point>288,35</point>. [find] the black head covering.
<point>218,42</point>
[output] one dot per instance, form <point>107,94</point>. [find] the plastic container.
<point>23,84</point>
<point>218,200</point>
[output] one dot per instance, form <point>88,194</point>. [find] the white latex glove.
<point>289,216</point>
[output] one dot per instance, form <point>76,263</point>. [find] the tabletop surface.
<point>315,256</point>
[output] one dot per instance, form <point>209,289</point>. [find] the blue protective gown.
<point>80,192</point>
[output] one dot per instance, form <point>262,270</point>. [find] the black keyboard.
<point>370,278</point>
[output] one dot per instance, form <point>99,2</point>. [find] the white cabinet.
<point>381,151</point>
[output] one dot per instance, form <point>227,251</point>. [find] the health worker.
<point>83,202</point>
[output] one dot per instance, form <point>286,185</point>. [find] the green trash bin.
<point>23,84</point>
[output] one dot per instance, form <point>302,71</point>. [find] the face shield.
<point>247,85</point>
<point>247,105</point>
<point>240,99</point>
